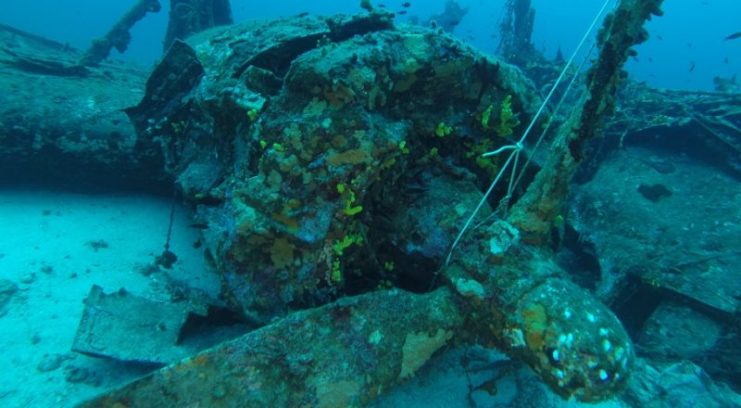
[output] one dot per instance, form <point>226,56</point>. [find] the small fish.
<point>406,4</point>
<point>734,36</point>
<point>692,66</point>
<point>401,12</point>
<point>660,37</point>
<point>725,60</point>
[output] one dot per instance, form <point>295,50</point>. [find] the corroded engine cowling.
<point>303,142</point>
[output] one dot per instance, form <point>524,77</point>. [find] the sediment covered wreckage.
<point>320,152</point>
<point>334,161</point>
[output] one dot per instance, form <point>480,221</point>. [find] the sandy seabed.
<point>54,246</point>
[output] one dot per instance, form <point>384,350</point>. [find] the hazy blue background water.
<point>687,48</point>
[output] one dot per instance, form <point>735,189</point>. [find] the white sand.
<point>45,250</point>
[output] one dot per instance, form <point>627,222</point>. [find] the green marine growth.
<point>442,129</point>
<point>403,147</point>
<point>252,114</point>
<point>339,247</point>
<point>476,153</point>
<point>507,118</point>
<point>349,198</point>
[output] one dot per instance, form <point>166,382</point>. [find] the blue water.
<point>686,50</point>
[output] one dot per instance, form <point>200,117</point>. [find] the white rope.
<point>551,120</point>
<point>561,75</point>
<point>517,147</point>
<point>476,210</point>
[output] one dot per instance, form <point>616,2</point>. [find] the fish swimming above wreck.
<point>358,210</point>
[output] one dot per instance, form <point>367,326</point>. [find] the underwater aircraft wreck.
<point>332,162</point>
